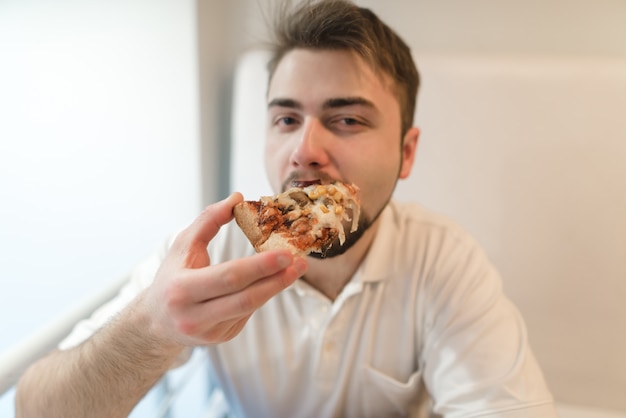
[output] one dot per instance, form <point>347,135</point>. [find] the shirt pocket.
<point>386,396</point>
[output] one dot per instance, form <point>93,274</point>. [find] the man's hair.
<point>342,25</point>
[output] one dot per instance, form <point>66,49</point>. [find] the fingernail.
<point>283,261</point>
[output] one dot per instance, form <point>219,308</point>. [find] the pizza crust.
<point>246,216</point>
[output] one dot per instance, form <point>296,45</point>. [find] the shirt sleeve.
<point>476,358</point>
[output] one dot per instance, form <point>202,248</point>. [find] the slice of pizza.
<point>302,219</point>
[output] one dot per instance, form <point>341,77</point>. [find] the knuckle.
<point>246,302</point>
<point>175,295</point>
<point>231,281</point>
<point>187,326</point>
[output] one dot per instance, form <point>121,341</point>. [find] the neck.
<point>330,275</point>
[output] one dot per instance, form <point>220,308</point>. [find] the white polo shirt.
<point>422,324</point>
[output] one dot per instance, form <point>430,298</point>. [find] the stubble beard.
<point>336,249</point>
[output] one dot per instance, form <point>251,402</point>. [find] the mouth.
<point>304,183</point>
<point>299,179</point>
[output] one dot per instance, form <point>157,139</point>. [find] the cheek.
<point>379,173</point>
<point>276,163</point>
<point>380,166</point>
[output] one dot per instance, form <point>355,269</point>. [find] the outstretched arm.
<point>190,303</point>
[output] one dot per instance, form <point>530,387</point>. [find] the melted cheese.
<point>327,204</point>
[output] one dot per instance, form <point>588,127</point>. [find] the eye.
<point>286,121</point>
<point>348,124</point>
<point>349,121</point>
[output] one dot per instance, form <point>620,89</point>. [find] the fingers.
<point>235,298</point>
<point>219,319</point>
<point>245,302</point>
<point>236,275</point>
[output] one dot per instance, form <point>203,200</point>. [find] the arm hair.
<point>106,376</point>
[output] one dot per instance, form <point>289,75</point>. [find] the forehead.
<point>316,75</point>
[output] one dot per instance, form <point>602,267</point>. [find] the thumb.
<point>208,223</point>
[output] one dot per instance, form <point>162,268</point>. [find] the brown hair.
<point>341,25</point>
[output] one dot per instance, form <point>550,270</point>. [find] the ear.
<point>409,149</point>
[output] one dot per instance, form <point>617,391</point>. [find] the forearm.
<point>104,377</point>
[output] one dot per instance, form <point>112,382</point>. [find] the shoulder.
<point>417,218</point>
<point>425,235</point>
<point>433,252</point>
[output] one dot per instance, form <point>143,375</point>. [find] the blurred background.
<point>116,129</point>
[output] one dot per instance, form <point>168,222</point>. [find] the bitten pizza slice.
<point>302,219</point>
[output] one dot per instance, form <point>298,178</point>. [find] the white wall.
<point>561,27</point>
<point>99,146</point>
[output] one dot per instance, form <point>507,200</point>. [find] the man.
<point>407,317</point>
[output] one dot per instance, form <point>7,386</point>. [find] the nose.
<point>311,148</point>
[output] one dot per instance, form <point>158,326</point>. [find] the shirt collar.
<point>379,263</point>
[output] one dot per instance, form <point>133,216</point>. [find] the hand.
<point>192,302</point>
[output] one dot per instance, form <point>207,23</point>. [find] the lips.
<point>304,183</point>
<point>300,178</point>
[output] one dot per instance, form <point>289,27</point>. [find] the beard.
<point>335,249</point>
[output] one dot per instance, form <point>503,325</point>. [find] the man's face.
<point>331,117</point>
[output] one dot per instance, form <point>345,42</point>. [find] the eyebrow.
<point>347,101</point>
<point>328,104</point>
<point>279,102</point>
